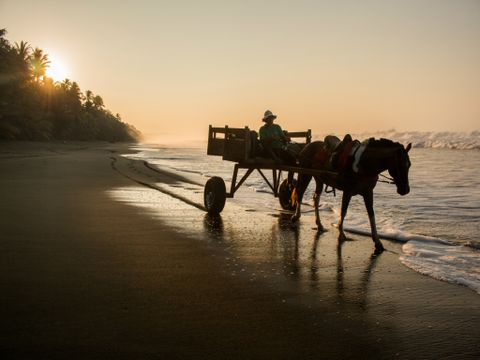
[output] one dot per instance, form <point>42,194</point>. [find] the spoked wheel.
<point>214,195</point>
<point>285,191</point>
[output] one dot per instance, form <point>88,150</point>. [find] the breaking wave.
<point>428,139</point>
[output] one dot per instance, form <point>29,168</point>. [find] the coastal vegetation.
<point>35,107</point>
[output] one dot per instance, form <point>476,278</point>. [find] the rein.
<point>388,181</point>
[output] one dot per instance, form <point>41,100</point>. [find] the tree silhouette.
<point>88,99</point>
<point>98,102</point>
<point>40,62</point>
<point>23,50</point>
<point>66,84</point>
<point>34,107</point>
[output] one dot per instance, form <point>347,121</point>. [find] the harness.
<point>320,158</point>
<point>348,158</point>
<point>343,157</point>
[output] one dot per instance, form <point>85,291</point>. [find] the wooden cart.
<point>237,145</point>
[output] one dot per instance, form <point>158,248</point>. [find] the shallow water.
<point>438,221</point>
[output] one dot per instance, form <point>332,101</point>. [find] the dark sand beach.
<point>83,276</point>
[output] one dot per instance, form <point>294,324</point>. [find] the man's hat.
<point>268,115</point>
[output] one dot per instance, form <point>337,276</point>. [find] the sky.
<point>171,68</point>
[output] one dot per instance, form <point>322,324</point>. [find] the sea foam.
<point>427,139</point>
<point>453,263</point>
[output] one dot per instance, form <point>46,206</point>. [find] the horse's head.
<point>399,168</point>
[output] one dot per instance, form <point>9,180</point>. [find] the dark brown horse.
<point>357,175</point>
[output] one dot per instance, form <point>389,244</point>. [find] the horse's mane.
<point>382,143</point>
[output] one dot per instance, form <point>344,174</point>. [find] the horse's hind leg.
<point>345,202</point>
<point>302,183</point>
<point>316,201</point>
<point>368,198</point>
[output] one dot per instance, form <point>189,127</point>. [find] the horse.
<point>356,172</point>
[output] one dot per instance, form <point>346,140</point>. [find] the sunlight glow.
<point>56,69</point>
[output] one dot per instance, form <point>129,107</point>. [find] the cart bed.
<point>237,144</point>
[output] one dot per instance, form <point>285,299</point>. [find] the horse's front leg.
<point>316,202</point>
<point>368,198</point>
<point>302,183</point>
<point>345,202</point>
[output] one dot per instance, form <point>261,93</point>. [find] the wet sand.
<point>84,275</point>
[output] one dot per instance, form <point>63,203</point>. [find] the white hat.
<point>268,114</point>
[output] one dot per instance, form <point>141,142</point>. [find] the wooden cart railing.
<point>236,144</point>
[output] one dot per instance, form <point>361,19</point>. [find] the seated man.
<point>275,141</point>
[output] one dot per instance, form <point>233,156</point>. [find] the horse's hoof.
<point>294,218</point>
<point>379,249</point>
<point>342,237</point>
<point>320,228</point>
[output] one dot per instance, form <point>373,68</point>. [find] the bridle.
<point>402,181</point>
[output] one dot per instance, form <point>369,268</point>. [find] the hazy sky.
<point>173,67</point>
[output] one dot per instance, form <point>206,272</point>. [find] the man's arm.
<point>282,137</point>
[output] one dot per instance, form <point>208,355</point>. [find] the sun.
<point>56,69</point>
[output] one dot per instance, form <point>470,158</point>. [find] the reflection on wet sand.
<point>320,272</point>
<point>266,246</point>
<point>288,237</point>
<point>310,262</point>
<point>213,225</point>
<point>358,292</point>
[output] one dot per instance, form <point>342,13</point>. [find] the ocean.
<point>437,223</point>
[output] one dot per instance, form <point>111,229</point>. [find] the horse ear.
<point>409,146</point>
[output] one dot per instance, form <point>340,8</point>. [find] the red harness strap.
<point>343,157</point>
<point>320,158</point>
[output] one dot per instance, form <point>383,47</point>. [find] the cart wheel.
<point>285,194</point>
<point>214,195</point>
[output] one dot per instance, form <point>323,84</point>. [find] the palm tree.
<point>3,40</point>
<point>98,102</point>
<point>40,62</point>
<point>88,99</point>
<point>66,84</point>
<point>23,50</point>
<point>75,95</point>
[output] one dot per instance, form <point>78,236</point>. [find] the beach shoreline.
<point>85,276</point>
